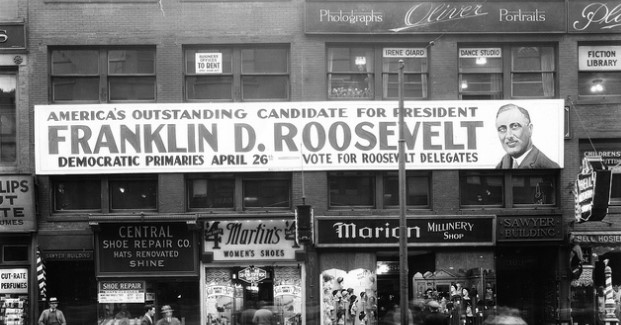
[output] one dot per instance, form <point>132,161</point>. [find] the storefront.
<point>450,259</point>
<point>249,265</point>
<point>18,279</point>
<point>146,263</point>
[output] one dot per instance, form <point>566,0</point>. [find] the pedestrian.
<point>435,317</point>
<point>505,316</point>
<point>52,315</point>
<point>167,317</point>
<point>263,316</point>
<point>147,318</point>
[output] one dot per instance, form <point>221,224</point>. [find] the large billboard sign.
<point>293,136</point>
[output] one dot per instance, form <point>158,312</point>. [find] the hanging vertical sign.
<point>592,190</point>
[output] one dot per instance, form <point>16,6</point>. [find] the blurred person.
<point>263,316</point>
<point>147,318</point>
<point>167,317</point>
<point>435,317</point>
<point>248,313</point>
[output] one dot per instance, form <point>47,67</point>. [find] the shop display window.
<point>14,309</point>
<point>268,294</point>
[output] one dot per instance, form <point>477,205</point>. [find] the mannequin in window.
<point>468,307</point>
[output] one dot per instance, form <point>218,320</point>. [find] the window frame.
<point>378,77</point>
<point>588,78</point>
<point>508,72</point>
<point>378,189</point>
<point>13,72</point>
<point>239,190</point>
<point>103,75</point>
<point>508,197</point>
<point>236,73</point>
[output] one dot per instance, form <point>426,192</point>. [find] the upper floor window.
<point>100,75</point>
<point>496,72</point>
<point>104,194</point>
<point>351,72</point>
<point>237,73</point>
<point>358,189</point>
<point>508,189</point>
<point>599,72</point>
<point>8,109</point>
<point>239,191</point>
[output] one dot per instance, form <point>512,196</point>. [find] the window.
<point>597,75</point>
<point>237,73</point>
<point>104,194</point>
<point>506,189</point>
<point>8,109</point>
<point>103,75</point>
<point>351,72</point>
<point>247,191</point>
<point>357,189</point>
<point>15,253</point>
<point>497,72</point>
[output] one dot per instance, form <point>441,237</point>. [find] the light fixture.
<point>481,60</point>
<point>382,268</point>
<point>598,86</point>
<point>464,84</point>
<point>360,61</point>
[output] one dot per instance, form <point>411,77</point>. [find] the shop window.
<point>483,73</point>
<point>8,109</point>
<point>220,191</point>
<point>237,73</point>
<point>416,188</point>
<point>103,75</point>
<point>598,77</point>
<point>351,72</point>
<point>85,194</point>
<point>508,189</point>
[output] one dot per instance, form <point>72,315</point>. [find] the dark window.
<point>8,109</point>
<point>132,194</point>
<point>507,189</point>
<point>352,189</point>
<point>239,191</point>
<point>351,72</point>
<point>237,73</point>
<point>615,189</point>
<point>103,75</point>
<point>85,194</point>
<point>77,194</point>
<point>15,253</point>
<point>486,71</point>
<point>416,188</point>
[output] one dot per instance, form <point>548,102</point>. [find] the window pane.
<point>190,58</point>
<point>417,190</point>
<point>345,59</point>
<point>533,84</point>
<point>255,195</point>
<point>532,58</point>
<point>132,88</point>
<point>599,83</point>
<point>86,89</point>
<point>351,86</point>
<point>351,189</point>
<point>75,62</point>
<point>131,62</point>
<point>73,195</point>
<point>615,189</point>
<point>15,253</point>
<point>533,189</point>
<point>133,194</point>
<point>265,87</point>
<point>487,83</point>
<point>413,87</point>
<point>418,65</point>
<point>8,144</point>
<point>265,60</point>
<point>209,87</point>
<point>477,189</point>
<point>212,192</point>
<point>480,65</point>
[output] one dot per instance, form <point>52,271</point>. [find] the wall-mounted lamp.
<point>598,86</point>
<point>464,84</point>
<point>481,61</point>
<point>361,61</point>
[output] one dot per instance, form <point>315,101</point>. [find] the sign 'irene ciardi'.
<point>281,136</point>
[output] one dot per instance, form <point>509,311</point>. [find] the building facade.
<point>173,144</point>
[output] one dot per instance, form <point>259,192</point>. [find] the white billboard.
<point>288,136</point>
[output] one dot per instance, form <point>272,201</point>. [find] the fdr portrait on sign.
<point>515,130</point>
